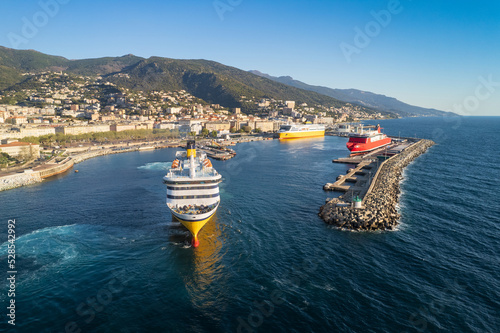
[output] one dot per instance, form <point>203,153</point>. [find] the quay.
<point>371,189</point>
<point>357,178</point>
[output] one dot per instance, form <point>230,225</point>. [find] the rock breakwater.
<point>18,180</point>
<point>379,204</point>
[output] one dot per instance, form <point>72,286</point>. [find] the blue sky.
<point>440,54</point>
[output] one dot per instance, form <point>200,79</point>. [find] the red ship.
<point>367,141</point>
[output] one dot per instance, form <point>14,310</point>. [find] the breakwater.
<point>35,175</point>
<point>52,169</point>
<point>378,207</point>
<point>19,179</point>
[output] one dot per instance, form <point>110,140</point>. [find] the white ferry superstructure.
<point>192,189</point>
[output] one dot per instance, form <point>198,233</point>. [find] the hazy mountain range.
<point>365,98</point>
<point>208,80</point>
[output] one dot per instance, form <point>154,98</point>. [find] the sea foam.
<point>156,166</point>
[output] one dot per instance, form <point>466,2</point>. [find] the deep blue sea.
<point>97,250</point>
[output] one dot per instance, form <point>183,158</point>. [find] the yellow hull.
<point>300,135</point>
<point>194,226</point>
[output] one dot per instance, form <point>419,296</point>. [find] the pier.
<point>355,180</point>
<point>371,189</point>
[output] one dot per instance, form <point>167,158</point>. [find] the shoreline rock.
<point>379,205</point>
<point>18,180</point>
<point>29,178</point>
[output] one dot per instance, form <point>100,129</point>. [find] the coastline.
<point>39,173</point>
<point>30,176</point>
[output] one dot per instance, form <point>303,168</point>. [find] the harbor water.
<point>97,250</point>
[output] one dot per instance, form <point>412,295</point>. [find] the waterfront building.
<point>218,126</point>
<point>191,125</point>
<point>122,127</point>
<point>264,125</point>
<point>144,126</point>
<point>76,130</point>
<point>169,126</point>
<point>17,149</point>
<point>35,131</point>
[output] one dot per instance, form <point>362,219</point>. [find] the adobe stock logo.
<point>484,90</point>
<point>30,27</point>
<point>223,6</point>
<point>372,29</point>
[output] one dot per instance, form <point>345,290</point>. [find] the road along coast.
<point>376,210</point>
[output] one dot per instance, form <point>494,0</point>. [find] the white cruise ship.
<point>192,189</point>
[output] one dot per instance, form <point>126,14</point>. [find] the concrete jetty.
<point>378,194</point>
<point>356,180</point>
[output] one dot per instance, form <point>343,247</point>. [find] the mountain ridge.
<point>209,80</point>
<point>368,99</point>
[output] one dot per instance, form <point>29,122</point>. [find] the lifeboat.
<point>207,163</point>
<point>175,164</point>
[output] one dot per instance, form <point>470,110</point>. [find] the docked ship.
<point>192,189</point>
<point>297,131</point>
<point>367,141</point>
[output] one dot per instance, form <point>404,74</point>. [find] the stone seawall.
<point>379,205</point>
<point>20,179</point>
<point>37,176</point>
<point>85,156</point>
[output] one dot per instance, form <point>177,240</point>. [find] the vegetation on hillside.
<point>208,80</point>
<point>102,137</point>
<point>213,82</point>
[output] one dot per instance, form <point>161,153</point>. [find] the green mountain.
<point>29,60</point>
<point>212,82</point>
<point>101,66</point>
<point>208,80</point>
<point>368,99</point>
<point>15,62</point>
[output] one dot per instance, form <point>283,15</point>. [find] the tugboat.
<point>367,141</point>
<point>192,189</point>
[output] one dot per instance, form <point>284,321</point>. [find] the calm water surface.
<point>98,251</point>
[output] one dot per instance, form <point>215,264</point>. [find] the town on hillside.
<point>51,105</point>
